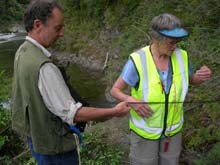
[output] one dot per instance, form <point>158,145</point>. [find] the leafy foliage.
<point>10,144</point>
<point>98,152</point>
<point>210,158</point>
<point>5,86</point>
<point>10,11</point>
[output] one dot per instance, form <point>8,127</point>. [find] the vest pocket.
<point>156,120</point>
<point>20,120</point>
<point>59,127</point>
<point>175,116</point>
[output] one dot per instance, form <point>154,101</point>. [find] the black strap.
<point>80,125</point>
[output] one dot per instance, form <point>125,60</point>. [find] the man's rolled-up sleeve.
<point>56,94</point>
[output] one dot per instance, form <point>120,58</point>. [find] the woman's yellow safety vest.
<point>167,118</point>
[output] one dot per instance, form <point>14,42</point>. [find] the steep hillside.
<point>117,28</point>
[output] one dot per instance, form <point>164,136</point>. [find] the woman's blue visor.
<point>174,33</point>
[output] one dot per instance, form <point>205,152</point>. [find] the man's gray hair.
<point>39,9</point>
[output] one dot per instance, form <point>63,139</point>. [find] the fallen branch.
<point>5,129</point>
<point>106,61</point>
<point>21,154</point>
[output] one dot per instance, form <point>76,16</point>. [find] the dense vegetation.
<point>10,12</point>
<point>97,27</point>
<point>120,27</point>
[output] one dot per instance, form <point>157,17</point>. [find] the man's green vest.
<point>167,118</point>
<point>30,116</point>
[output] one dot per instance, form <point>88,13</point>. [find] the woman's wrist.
<point>127,98</point>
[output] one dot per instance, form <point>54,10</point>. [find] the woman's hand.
<point>204,73</point>
<point>201,75</point>
<point>139,106</point>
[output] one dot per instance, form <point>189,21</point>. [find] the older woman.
<point>159,75</point>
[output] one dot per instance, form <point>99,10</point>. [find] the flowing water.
<point>8,45</point>
<point>87,84</point>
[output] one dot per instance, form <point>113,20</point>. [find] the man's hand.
<point>121,109</point>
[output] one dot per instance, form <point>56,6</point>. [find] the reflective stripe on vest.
<point>152,127</point>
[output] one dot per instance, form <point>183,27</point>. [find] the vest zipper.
<point>167,102</point>
<point>166,114</point>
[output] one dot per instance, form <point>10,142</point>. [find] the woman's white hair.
<point>163,21</point>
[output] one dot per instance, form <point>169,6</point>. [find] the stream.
<point>88,84</point>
